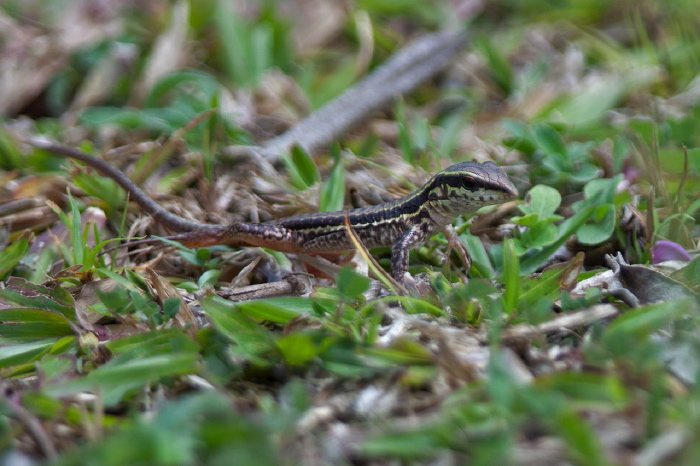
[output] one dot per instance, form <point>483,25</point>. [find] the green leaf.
<point>499,66</point>
<point>333,190</point>
<point>595,233</point>
<point>253,339</point>
<point>330,85</point>
<point>481,262</point>
<point>203,85</point>
<point>549,283</point>
<point>19,325</point>
<point>403,351</point>
<point>592,102</point>
<point>103,188</point>
<point>129,118</point>
<point>566,229</point>
<point>74,225</point>
<point>24,352</point>
<point>542,201</point>
<point>641,322</point>
<point>298,348</point>
<point>350,284</point>
<point>541,234</point>
<point>511,277</point>
<point>579,437</point>
<point>29,295</point>
<point>589,387</point>
<point>405,138</point>
<point>13,254</point>
<point>266,311</point>
<point>602,190</point>
<point>120,376</point>
<point>302,168</point>
<point>247,48</point>
<point>163,341</point>
<point>210,277</point>
<point>550,142</point>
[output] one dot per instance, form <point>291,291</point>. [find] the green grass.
<point>115,359</point>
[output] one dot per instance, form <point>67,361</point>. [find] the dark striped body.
<point>401,224</point>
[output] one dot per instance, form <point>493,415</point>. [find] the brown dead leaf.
<point>88,298</point>
<point>163,290</point>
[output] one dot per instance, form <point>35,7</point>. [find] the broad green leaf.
<point>550,142</point>
<point>585,173</point>
<point>350,284</point>
<point>550,282</point>
<point>13,254</point>
<point>541,200</point>
<point>243,330</point>
<point>522,139</point>
<point>119,376</point>
<point>413,305</point>
<point>601,230</point>
<point>328,86</point>
<point>566,229</point>
<point>641,322</point>
<point>689,275</point>
<point>202,83</point>
<point>539,235</point>
<point>210,277</point>
<point>602,190</point>
<point>24,352</point>
<point>264,310</point>
<point>53,367</point>
<point>154,342</point>
<point>24,325</point>
<point>103,188</point>
<point>298,348</point>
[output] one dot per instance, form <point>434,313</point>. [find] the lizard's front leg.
<point>402,246</point>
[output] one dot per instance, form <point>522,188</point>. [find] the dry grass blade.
<point>378,271</point>
<point>566,322</point>
<point>163,290</point>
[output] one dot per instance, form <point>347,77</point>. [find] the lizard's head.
<point>466,187</point>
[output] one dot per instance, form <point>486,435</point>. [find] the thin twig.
<point>400,74</point>
<point>567,321</point>
<point>34,428</point>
